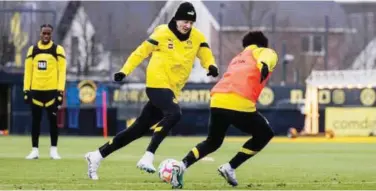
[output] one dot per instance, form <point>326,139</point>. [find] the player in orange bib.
<point>233,102</point>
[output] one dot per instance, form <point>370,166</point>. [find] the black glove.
<point>27,97</point>
<point>213,71</point>
<point>119,76</point>
<point>264,72</point>
<point>59,98</point>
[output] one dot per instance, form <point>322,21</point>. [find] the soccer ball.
<point>165,170</point>
<point>292,133</point>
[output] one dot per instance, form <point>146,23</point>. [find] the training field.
<point>304,163</point>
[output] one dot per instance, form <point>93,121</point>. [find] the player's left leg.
<point>150,115</point>
<point>36,114</point>
<point>218,125</point>
<point>262,133</point>
<point>163,99</point>
<point>37,106</point>
<point>54,131</point>
<point>252,123</point>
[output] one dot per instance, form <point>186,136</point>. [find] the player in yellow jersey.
<point>44,84</point>
<point>173,48</point>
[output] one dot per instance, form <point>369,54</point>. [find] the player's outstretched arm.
<point>207,59</point>
<point>143,51</point>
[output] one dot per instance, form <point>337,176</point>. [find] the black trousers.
<point>44,100</point>
<point>252,123</point>
<point>162,108</point>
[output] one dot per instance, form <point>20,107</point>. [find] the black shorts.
<point>44,98</point>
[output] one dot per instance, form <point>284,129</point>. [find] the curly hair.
<point>46,25</point>
<point>255,37</point>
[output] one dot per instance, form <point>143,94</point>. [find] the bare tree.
<point>84,20</point>
<point>118,32</point>
<point>86,44</point>
<point>133,33</point>
<point>95,52</point>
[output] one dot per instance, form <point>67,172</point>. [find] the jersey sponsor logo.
<point>42,65</point>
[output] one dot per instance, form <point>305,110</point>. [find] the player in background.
<point>44,84</point>
<point>233,102</point>
<point>173,48</point>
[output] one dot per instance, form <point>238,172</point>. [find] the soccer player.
<point>44,84</point>
<point>173,48</point>
<point>233,102</point>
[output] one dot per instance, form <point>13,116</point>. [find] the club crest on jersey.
<point>170,44</point>
<point>189,45</point>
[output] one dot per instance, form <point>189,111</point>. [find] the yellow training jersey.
<point>171,60</point>
<point>236,102</point>
<point>45,67</point>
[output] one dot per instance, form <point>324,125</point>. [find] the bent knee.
<point>174,113</point>
<point>269,134</point>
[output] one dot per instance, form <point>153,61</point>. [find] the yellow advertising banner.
<point>357,121</point>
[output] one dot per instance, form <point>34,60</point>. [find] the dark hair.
<point>255,37</point>
<point>46,25</point>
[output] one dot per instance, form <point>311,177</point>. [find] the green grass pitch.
<point>283,165</point>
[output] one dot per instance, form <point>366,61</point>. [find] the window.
<point>318,42</point>
<point>313,44</point>
<point>305,44</point>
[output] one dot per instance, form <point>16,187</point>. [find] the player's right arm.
<point>62,68</point>
<point>266,62</point>
<point>143,51</point>
<point>28,69</point>
<point>268,57</point>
